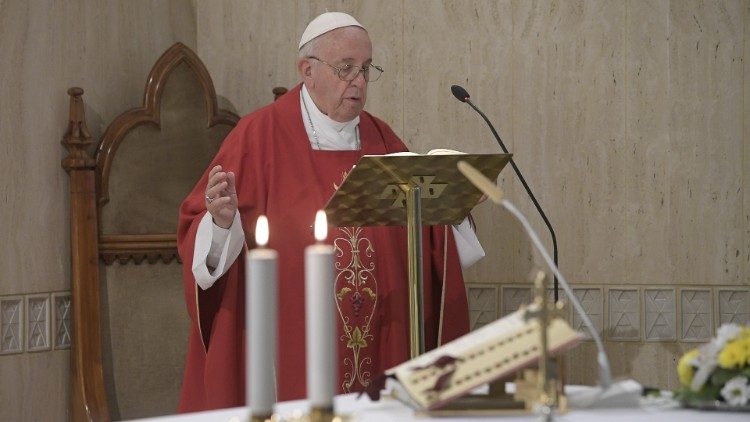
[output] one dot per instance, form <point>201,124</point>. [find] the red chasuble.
<point>281,176</point>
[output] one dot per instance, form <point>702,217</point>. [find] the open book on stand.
<point>374,191</point>
<point>436,151</point>
<point>487,354</point>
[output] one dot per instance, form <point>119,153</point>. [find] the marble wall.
<point>107,48</point>
<point>627,117</point>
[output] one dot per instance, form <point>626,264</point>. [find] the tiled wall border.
<point>487,302</point>
<point>732,304</point>
<point>659,314</point>
<point>40,323</point>
<point>483,304</point>
<point>37,314</point>
<point>624,313</point>
<point>61,320</point>
<point>663,313</point>
<point>11,325</point>
<point>513,296</point>
<point>592,301</point>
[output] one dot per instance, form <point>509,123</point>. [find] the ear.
<point>304,67</point>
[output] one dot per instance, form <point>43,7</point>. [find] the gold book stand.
<point>411,190</point>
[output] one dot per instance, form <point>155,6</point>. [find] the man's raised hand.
<point>221,197</point>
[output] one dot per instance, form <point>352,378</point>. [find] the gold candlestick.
<point>262,418</point>
<point>318,414</point>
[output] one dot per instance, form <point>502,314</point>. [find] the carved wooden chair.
<point>129,320</point>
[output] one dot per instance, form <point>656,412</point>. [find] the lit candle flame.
<point>261,231</point>
<point>321,226</point>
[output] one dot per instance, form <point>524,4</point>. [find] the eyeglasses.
<point>349,73</point>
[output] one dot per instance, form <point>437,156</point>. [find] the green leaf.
<point>711,392</point>
<point>356,340</point>
<point>721,376</point>
<point>707,393</point>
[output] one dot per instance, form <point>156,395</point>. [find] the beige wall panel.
<point>569,108</point>
<point>651,364</point>
<point>34,386</point>
<point>248,48</point>
<point>468,44</point>
<point>107,48</point>
<point>645,180</point>
<point>251,47</point>
<point>462,43</point>
<point>705,164</point>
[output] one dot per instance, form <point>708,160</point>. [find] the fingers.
<point>215,177</point>
<point>219,203</point>
<point>218,182</point>
<point>221,208</point>
<point>220,196</point>
<point>215,192</point>
<point>230,182</point>
<point>213,171</point>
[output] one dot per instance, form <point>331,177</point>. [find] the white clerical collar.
<point>325,133</point>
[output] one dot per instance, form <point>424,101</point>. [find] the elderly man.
<point>285,161</point>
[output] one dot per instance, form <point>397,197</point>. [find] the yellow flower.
<point>733,355</point>
<point>745,342</point>
<point>685,369</point>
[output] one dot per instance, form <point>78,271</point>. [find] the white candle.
<point>320,325</point>
<point>260,319</point>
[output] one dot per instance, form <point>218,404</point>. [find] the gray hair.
<point>310,48</point>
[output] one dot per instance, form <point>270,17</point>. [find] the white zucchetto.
<point>327,22</point>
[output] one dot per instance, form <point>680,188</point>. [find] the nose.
<point>359,80</point>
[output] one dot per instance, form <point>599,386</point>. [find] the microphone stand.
<point>605,373</point>
<point>525,185</point>
<point>486,186</point>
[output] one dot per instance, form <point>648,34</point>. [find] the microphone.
<point>495,194</point>
<point>462,95</point>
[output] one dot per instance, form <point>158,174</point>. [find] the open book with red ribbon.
<point>487,354</point>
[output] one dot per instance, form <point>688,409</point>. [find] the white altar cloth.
<point>389,410</point>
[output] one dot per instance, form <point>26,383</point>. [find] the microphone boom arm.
<point>528,190</point>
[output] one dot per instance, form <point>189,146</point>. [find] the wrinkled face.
<point>341,100</point>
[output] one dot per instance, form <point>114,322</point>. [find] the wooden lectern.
<point>411,190</point>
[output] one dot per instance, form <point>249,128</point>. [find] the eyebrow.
<point>350,60</point>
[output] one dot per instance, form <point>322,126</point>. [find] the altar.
<point>389,410</point>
